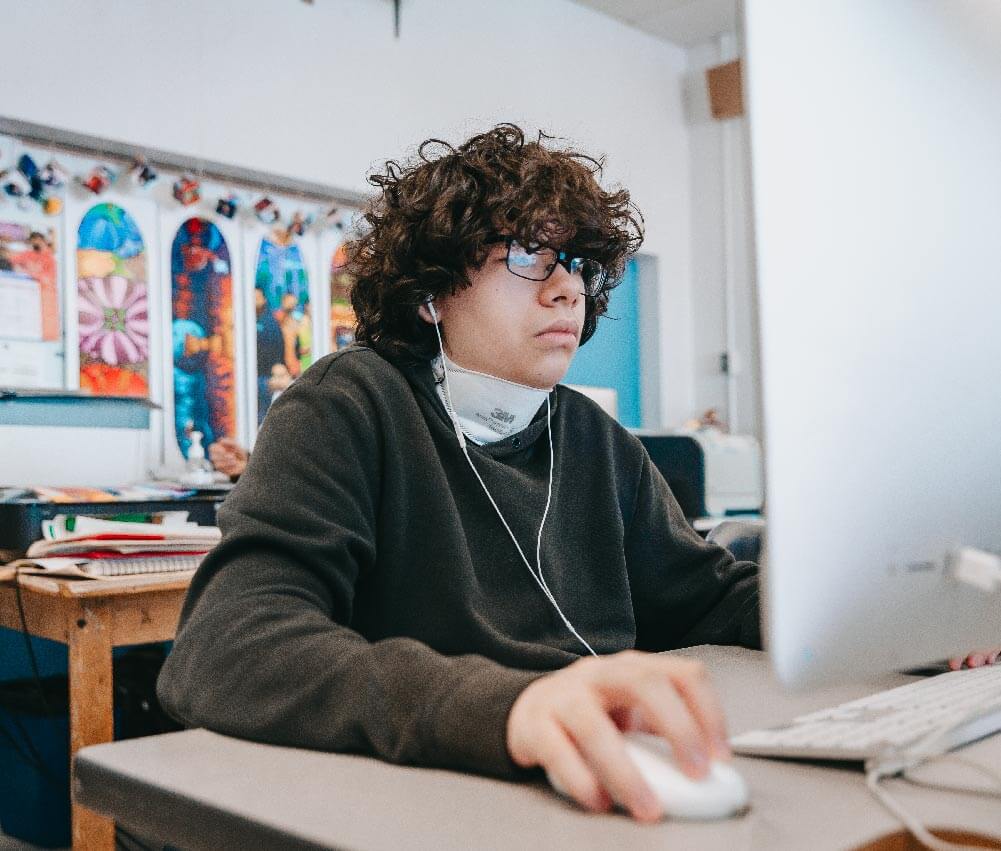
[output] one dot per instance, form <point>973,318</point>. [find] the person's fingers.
<point>982,657</point>
<point>567,771</point>
<point>678,702</point>
<point>696,689</point>
<point>591,701</point>
<point>604,749</point>
<point>231,444</point>
<point>976,659</point>
<point>669,716</point>
<point>629,719</point>
<point>225,462</point>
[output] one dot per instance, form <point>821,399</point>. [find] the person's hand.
<point>976,659</point>
<point>228,457</point>
<point>280,379</point>
<point>570,723</point>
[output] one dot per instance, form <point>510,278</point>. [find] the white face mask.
<point>488,408</point>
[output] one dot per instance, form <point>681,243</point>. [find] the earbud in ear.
<point>434,313</point>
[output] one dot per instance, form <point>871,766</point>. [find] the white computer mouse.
<point>720,794</point>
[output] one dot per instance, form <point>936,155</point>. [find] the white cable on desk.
<point>900,762</point>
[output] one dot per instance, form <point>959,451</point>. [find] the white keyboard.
<point>967,702</point>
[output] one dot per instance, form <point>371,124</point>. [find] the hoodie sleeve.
<point>686,590</point>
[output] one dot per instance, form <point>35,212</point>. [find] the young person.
<point>436,554</point>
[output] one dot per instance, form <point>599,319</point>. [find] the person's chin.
<point>554,366</point>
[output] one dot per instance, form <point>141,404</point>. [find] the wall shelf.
<point>48,408</point>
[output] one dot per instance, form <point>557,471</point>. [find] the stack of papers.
<point>75,545</point>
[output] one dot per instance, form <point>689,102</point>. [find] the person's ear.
<point>428,313</point>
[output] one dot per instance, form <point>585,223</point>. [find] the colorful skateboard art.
<point>202,334</point>
<point>112,304</point>
<point>284,323</point>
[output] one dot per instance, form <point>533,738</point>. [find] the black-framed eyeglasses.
<point>538,263</point>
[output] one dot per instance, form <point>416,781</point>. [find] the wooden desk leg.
<point>91,710</point>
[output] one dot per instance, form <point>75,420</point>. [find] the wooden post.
<point>91,707</point>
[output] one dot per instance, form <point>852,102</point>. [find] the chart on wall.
<point>342,317</point>
<point>112,303</point>
<point>31,328</point>
<point>284,324</point>
<point>202,334</point>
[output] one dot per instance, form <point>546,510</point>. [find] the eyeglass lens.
<point>538,265</point>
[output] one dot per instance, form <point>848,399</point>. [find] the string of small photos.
<point>43,187</point>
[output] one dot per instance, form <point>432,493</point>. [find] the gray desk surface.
<point>200,790</point>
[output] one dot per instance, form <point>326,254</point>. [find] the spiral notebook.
<point>103,568</point>
<point>145,564</point>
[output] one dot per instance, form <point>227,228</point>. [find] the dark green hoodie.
<point>366,598</point>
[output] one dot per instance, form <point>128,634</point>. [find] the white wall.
<point>324,92</point>
<point>723,297</point>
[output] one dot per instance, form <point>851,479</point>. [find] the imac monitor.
<point>875,145</point>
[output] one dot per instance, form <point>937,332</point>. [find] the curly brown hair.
<point>434,215</point>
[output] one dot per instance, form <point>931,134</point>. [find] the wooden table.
<point>92,616</point>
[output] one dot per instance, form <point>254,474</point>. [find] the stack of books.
<point>74,545</point>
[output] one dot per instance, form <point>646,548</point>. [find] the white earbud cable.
<point>537,570</point>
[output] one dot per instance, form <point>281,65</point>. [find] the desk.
<point>201,790</point>
<point>92,617</point>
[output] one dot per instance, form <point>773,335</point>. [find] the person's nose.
<point>561,286</point>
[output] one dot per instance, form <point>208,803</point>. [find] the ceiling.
<point>684,22</point>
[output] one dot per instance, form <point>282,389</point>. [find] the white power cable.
<point>968,790</point>
<point>900,762</point>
